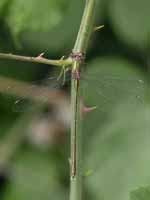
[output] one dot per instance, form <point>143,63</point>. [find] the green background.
<point>115,80</point>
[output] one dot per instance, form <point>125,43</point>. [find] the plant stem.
<point>86,27</point>
<point>80,47</point>
<point>38,59</point>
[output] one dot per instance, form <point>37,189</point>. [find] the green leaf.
<point>34,15</point>
<point>34,175</point>
<point>49,26</point>
<point>60,37</point>
<point>116,137</point>
<point>130,20</point>
<point>119,153</point>
<point>3,4</point>
<point>142,193</point>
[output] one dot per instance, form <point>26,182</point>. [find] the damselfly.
<point>104,83</point>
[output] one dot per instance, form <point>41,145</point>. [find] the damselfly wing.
<point>103,84</point>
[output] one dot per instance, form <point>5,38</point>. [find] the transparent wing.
<point>100,89</point>
<point>23,93</point>
<point>37,92</point>
<point>106,90</point>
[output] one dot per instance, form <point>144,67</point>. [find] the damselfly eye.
<point>78,56</point>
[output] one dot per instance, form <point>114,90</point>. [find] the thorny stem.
<point>38,59</point>
<point>78,55</point>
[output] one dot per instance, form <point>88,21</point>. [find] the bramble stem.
<point>80,47</point>
<point>38,59</point>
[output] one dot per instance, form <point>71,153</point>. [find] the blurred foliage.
<point>130,20</point>
<point>119,154</point>
<point>142,193</point>
<point>23,15</point>
<point>33,23</point>
<point>116,80</point>
<point>34,176</point>
<point>2,4</point>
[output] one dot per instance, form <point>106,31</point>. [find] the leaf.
<point>34,15</point>
<point>130,20</point>
<point>3,5</point>
<point>116,135</point>
<point>142,193</point>
<point>118,153</point>
<point>62,36</point>
<point>38,28</point>
<point>34,176</point>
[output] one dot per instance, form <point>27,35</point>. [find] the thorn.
<point>86,109</point>
<point>40,55</point>
<point>62,58</point>
<point>97,28</point>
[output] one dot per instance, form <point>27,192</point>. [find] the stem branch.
<point>38,59</point>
